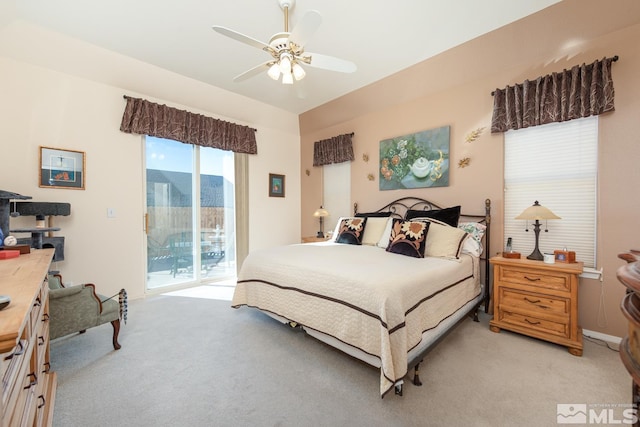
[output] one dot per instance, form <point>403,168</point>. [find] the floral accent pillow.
<point>476,230</point>
<point>408,237</point>
<point>351,231</point>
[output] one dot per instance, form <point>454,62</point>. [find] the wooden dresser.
<point>28,385</point>
<point>537,299</point>
<point>629,275</point>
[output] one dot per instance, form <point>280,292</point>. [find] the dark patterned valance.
<point>582,91</point>
<point>147,118</point>
<point>333,150</point>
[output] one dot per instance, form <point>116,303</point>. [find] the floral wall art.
<point>417,160</point>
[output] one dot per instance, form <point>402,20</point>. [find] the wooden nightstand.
<point>537,299</point>
<point>311,239</point>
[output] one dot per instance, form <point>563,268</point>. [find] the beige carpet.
<point>189,361</point>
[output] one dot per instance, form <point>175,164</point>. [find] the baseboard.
<point>601,336</point>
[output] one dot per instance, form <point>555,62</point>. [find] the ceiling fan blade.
<point>330,63</point>
<point>241,37</point>
<point>306,28</point>
<point>252,72</point>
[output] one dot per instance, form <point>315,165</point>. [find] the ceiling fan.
<point>287,49</point>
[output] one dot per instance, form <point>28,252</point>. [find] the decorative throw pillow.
<point>448,215</point>
<point>476,230</point>
<point>444,241</point>
<point>374,229</point>
<point>351,231</point>
<point>408,237</point>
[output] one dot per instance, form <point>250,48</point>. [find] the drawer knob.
<point>530,322</point>
<point>531,301</point>
<point>535,279</point>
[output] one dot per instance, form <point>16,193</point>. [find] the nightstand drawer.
<point>560,329</point>
<point>535,303</point>
<point>538,278</point>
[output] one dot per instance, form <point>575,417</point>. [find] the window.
<point>555,164</point>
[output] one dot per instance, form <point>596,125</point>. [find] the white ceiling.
<point>380,37</point>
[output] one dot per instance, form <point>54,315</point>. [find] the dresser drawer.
<point>16,365</point>
<point>537,278</point>
<point>537,304</point>
<point>557,328</point>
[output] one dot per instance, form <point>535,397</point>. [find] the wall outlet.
<point>111,213</point>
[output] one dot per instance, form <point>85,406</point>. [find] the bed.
<point>385,289</point>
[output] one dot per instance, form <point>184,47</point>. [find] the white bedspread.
<point>374,300</point>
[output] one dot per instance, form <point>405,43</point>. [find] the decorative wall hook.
<point>464,162</point>
<point>308,172</point>
<point>365,157</point>
<point>370,177</point>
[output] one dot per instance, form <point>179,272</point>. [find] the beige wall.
<point>60,93</point>
<point>454,89</point>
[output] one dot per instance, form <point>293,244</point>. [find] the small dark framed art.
<point>61,168</point>
<point>276,185</point>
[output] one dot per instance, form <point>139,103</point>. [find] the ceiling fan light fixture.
<point>287,78</point>
<point>274,71</point>
<point>287,49</point>
<point>298,71</point>
<point>285,63</point>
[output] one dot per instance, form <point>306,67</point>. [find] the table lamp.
<point>537,213</point>
<point>320,214</point>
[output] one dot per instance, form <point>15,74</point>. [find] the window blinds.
<point>555,164</point>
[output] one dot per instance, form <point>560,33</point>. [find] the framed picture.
<point>417,160</point>
<point>61,168</point>
<point>276,185</point>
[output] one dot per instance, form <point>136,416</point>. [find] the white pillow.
<point>443,240</point>
<point>384,237</point>
<point>373,230</point>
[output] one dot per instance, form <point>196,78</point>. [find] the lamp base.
<point>320,234</point>
<point>536,255</point>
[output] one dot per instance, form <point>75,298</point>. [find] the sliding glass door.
<point>190,213</point>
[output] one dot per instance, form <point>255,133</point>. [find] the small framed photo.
<point>61,168</point>
<point>276,185</point>
<point>565,256</point>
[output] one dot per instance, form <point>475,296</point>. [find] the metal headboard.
<point>399,208</point>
